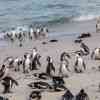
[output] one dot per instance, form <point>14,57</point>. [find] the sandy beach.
<point>89,80</point>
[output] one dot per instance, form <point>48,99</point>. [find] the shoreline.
<point>71,29</point>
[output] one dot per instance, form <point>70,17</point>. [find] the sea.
<point>14,13</point>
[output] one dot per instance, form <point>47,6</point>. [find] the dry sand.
<point>89,80</point>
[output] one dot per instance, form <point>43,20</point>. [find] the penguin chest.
<point>31,34</point>
<point>64,69</point>
<point>34,54</point>
<point>97,53</point>
<point>80,61</point>
<point>31,31</point>
<point>27,62</point>
<point>16,62</point>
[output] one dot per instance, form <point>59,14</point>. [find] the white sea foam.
<point>85,17</point>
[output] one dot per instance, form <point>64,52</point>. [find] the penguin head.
<point>3,67</point>
<point>34,49</point>
<point>49,59</point>
<point>82,91</point>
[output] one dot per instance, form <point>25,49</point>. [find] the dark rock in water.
<point>53,40</point>
<point>84,35</point>
<point>78,41</point>
<point>44,43</point>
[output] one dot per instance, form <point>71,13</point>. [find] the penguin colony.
<point>31,61</point>
<point>23,33</point>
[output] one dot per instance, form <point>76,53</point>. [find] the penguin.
<point>58,83</point>
<point>36,62</point>
<point>4,71</point>
<point>6,80</point>
<point>82,95</point>
<point>85,49</point>
<point>17,63</point>
<point>65,55</point>
<point>35,59</point>
<point>42,75</point>
<point>64,65</point>
<point>13,34</point>
<point>38,32</point>
<point>44,32</point>
<point>64,70</point>
<point>34,52</point>
<point>27,63</point>
<point>35,95</point>
<point>31,32</point>
<point>3,98</point>
<point>8,83</point>
<point>50,69</point>
<point>68,95</point>
<point>9,61</point>
<point>20,39</point>
<point>40,85</point>
<point>96,54</point>
<point>79,64</point>
<point>98,25</point>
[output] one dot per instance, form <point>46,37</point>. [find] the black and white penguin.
<point>35,59</point>
<point>98,25</point>
<point>9,61</point>
<point>38,32</point>
<point>50,70</point>
<point>35,95</point>
<point>64,66</point>
<point>34,52</point>
<point>82,95</point>
<point>3,98</point>
<point>17,63</point>
<point>31,33</point>
<point>68,95</point>
<point>96,54</point>
<point>13,34</point>
<point>64,70</point>
<point>27,63</point>
<point>79,64</point>
<point>85,49</point>
<point>44,32</point>
<point>65,56</point>
<point>6,80</point>
<point>42,75</point>
<point>8,83</point>
<point>40,85</point>
<point>9,36</point>
<point>58,83</point>
<point>4,71</point>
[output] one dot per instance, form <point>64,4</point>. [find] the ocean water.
<point>30,12</point>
